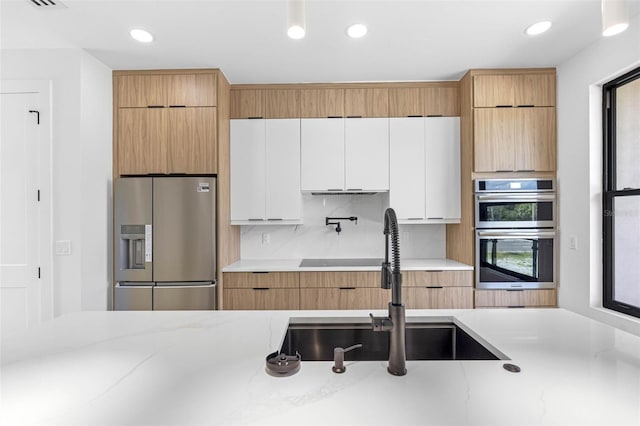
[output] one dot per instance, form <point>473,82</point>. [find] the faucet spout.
<point>391,278</point>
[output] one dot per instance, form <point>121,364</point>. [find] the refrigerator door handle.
<point>185,284</point>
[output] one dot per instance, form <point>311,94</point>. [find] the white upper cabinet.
<point>265,171</point>
<point>322,154</point>
<point>425,169</point>
<point>407,176</point>
<point>442,142</point>
<point>366,154</point>
<point>345,154</point>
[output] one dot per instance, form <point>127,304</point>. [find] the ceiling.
<point>407,40</point>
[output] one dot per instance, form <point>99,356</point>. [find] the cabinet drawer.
<point>437,278</point>
<point>344,298</point>
<point>252,280</point>
<point>261,298</point>
<point>438,298</point>
<point>339,279</point>
<point>515,298</point>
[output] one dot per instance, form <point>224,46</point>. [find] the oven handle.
<point>517,234</point>
<point>518,197</point>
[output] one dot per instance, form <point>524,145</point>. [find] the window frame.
<point>610,193</point>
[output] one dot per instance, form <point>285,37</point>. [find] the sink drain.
<point>511,368</point>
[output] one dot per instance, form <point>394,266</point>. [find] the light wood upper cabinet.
<point>366,102</point>
<point>142,141</point>
<point>513,90</point>
<point>191,140</point>
<point>406,102</point>
<point>514,139</point>
<point>282,103</point>
<point>165,90</point>
<point>444,101</point>
<point>321,103</point>
<point>247,104</point>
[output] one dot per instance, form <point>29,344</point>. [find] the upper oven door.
<point>515,211</point>
<point>515,259</point>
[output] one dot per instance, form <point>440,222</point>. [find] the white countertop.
<point>195,368</point>
<point>292,265</point>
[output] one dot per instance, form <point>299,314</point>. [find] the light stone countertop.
<point>292,265</point>
<point>196,368</point>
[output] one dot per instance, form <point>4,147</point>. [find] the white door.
<point>284,199</point>
<point>322,154</point>
<point>247,170</point>
<point>366,147</point>
<point>407,168</point>
<point>25,298</point>
<point>442,138</point>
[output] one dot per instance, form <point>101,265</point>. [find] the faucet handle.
<point>381,323</point>
<point>338,357</point>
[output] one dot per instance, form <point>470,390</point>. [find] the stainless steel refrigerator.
<point>164,239</point>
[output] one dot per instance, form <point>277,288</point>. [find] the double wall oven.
<point>515,233</point>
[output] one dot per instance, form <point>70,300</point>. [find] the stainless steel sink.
<point>329,263</point>
<point>441,338</point>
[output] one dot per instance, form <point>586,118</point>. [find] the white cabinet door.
<point>442,142</point>
<point>407,167</point>
<point>284,199</point>
<point>442,138</point>
<point>366,146</point>
<point>247,170</point>
<point>322,154</point>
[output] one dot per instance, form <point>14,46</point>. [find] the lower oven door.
<point>522,259</point>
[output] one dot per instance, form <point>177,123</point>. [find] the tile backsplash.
<point>364,239</point>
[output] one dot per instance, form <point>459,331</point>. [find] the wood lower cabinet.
<point>438,297</point>
<point>261,290</point>
<point>342,290</point>
<point>438,289</point>
<point>515,298</point>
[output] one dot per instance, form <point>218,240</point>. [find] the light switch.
<point>266,238</point>
<point>573,242</point>
<point>63,248</point>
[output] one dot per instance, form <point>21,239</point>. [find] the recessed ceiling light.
<point>356,30</point>
<point>141,35</point>
<point>538,28</point>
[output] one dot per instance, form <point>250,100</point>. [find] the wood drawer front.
<point>438,298</point>
<point>437,278</point>
<point>344,298</point>
<point>261,280</point>
<point>266,299</point>
<point>339,279</point>
<point>515,298</point>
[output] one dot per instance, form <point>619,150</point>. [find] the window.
<point>621,203</point>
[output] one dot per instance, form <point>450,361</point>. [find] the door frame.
<point>44,182</point>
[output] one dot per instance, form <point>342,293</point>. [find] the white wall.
<point>580,170</point>
<point>364,239</point>
<point>81,168</point>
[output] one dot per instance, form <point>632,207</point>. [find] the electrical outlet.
<point>405,236</point>
<point>63,248</point>
<point>266,238</point>
<point>573,242</point>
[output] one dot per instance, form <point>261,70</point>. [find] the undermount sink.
<point>437,338</point>
<point>329,263</point>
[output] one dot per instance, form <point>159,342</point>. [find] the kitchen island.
<point>195,368</point>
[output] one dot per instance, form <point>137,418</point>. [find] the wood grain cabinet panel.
<point>261,280</point>
<point>142,141</point>
<point>438,298</point>
<point>493,91</point>
<point>441,101</point>
<point>321,103</point>
<point>514,90</point>
<point>141,91</point>
<point>366,102</point>
<point>535,90</point>
<point>339,279</point>
<point>406,102</point>
<point>191,90</point>
<point>261,299</point>
<point>282,103</point>
<point>343,298</point>
<point>192,144</point>
<point>247,104</point>
<point>437,278</point>
<point>536,136</point>
<point>494,144</point>
<point>515,298</point>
